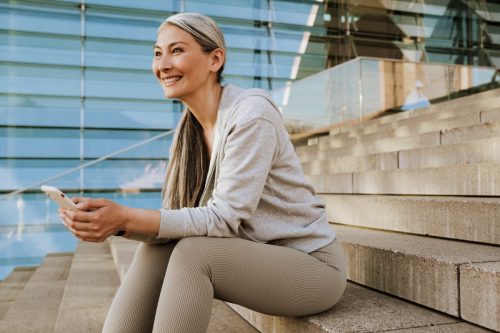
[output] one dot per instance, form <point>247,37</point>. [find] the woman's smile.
<point>170,80</point>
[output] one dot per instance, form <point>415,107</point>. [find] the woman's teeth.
<point>171,79</point>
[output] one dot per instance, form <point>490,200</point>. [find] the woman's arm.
<point>102,218</point>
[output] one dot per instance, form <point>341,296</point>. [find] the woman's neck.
<point>205,105</point>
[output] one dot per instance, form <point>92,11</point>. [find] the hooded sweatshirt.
<point>255,188</point>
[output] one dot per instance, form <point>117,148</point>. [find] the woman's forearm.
<point>143,221</point>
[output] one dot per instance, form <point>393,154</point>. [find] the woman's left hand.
<point>99,218</point>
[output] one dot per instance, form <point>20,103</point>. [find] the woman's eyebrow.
<point>170,45</point>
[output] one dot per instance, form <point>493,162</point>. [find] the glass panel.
<point>118,54</point>
<point>50,18</point>
<point>32,110</point>
<point>162,5</point>
<point>39,49</point>
<point>142,114</point>
<point>118,25</point>
<point>122,84</point>
<point>20,173</point>
<point>98,143</point>
<point>125,174</point>
<point>38,142</point>
<point>367,86</point>
<point>39,80</point>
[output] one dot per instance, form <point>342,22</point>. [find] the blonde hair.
<point>188,166</point>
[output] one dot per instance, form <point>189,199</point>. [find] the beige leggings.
<point>170,287</point>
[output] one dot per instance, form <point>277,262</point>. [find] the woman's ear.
<point>217,56</point>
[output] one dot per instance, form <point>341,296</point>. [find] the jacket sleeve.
<point>248,156</point>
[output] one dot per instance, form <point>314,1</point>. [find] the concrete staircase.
<point>72,292</point>
<point>415,199</point>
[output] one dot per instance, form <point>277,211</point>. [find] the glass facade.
<point>76,84</point>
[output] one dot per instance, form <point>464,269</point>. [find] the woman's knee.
<point>191,252</point>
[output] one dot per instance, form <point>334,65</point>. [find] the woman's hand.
<point>99,218</point>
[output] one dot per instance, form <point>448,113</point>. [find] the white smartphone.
<point>58,196</point>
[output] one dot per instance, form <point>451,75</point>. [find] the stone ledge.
<point>421,269</point>
<point>465,218</point>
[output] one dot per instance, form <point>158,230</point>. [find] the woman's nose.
<point>164,63</point>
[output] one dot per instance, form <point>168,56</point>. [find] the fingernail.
<point>79,205</point>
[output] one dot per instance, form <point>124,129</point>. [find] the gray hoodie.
<point>255,188</point>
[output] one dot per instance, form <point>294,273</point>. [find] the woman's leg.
<point>270,279</point>
<point>134,306</point>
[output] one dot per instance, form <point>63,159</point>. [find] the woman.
<point>239,220</point>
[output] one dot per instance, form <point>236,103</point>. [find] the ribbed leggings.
<point>170,287</point>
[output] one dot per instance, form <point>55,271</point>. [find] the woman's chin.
<point>170,93</point>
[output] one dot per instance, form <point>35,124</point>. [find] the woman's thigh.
<point>270,279</point>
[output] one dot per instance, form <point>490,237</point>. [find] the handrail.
<point>64,173</point>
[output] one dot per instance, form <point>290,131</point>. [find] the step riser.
<point>424,127</point>
<point>385,161</point>
<point>448,109</point>
<point>424,122</point>
<point>482,305</point>
<point>490,116</point>
<point>482,151</point>
<point>377,147</point>
<point>465,134</point>
<point>338,183</point>
<point>469,180</point>
<point>411,118</point>
<point>468,219</point>
<point>447,138</point>
<point>401,132</point>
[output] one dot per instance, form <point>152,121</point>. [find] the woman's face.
<point>179,63</point>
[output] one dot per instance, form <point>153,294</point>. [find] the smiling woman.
<point>239,221</point>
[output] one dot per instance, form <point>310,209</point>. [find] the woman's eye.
<point>157,53</point>
<point>177,49</point>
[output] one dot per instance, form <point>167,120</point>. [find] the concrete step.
<point>481,179</point>
<point>490,116</point>
<point>477,151</point>
<point>485,130</point>
<point>402,128</point>
<point>421,269</point>
<point>412,128</point>
<point>418,116</point>
<point>36,306</point>
<point>223,319</point>
<point>308,153</point>
<point>465,218</point>
<point>383,161</point>
<point>12,285</point>
<point>90,288</point>
<point>362,310</point>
